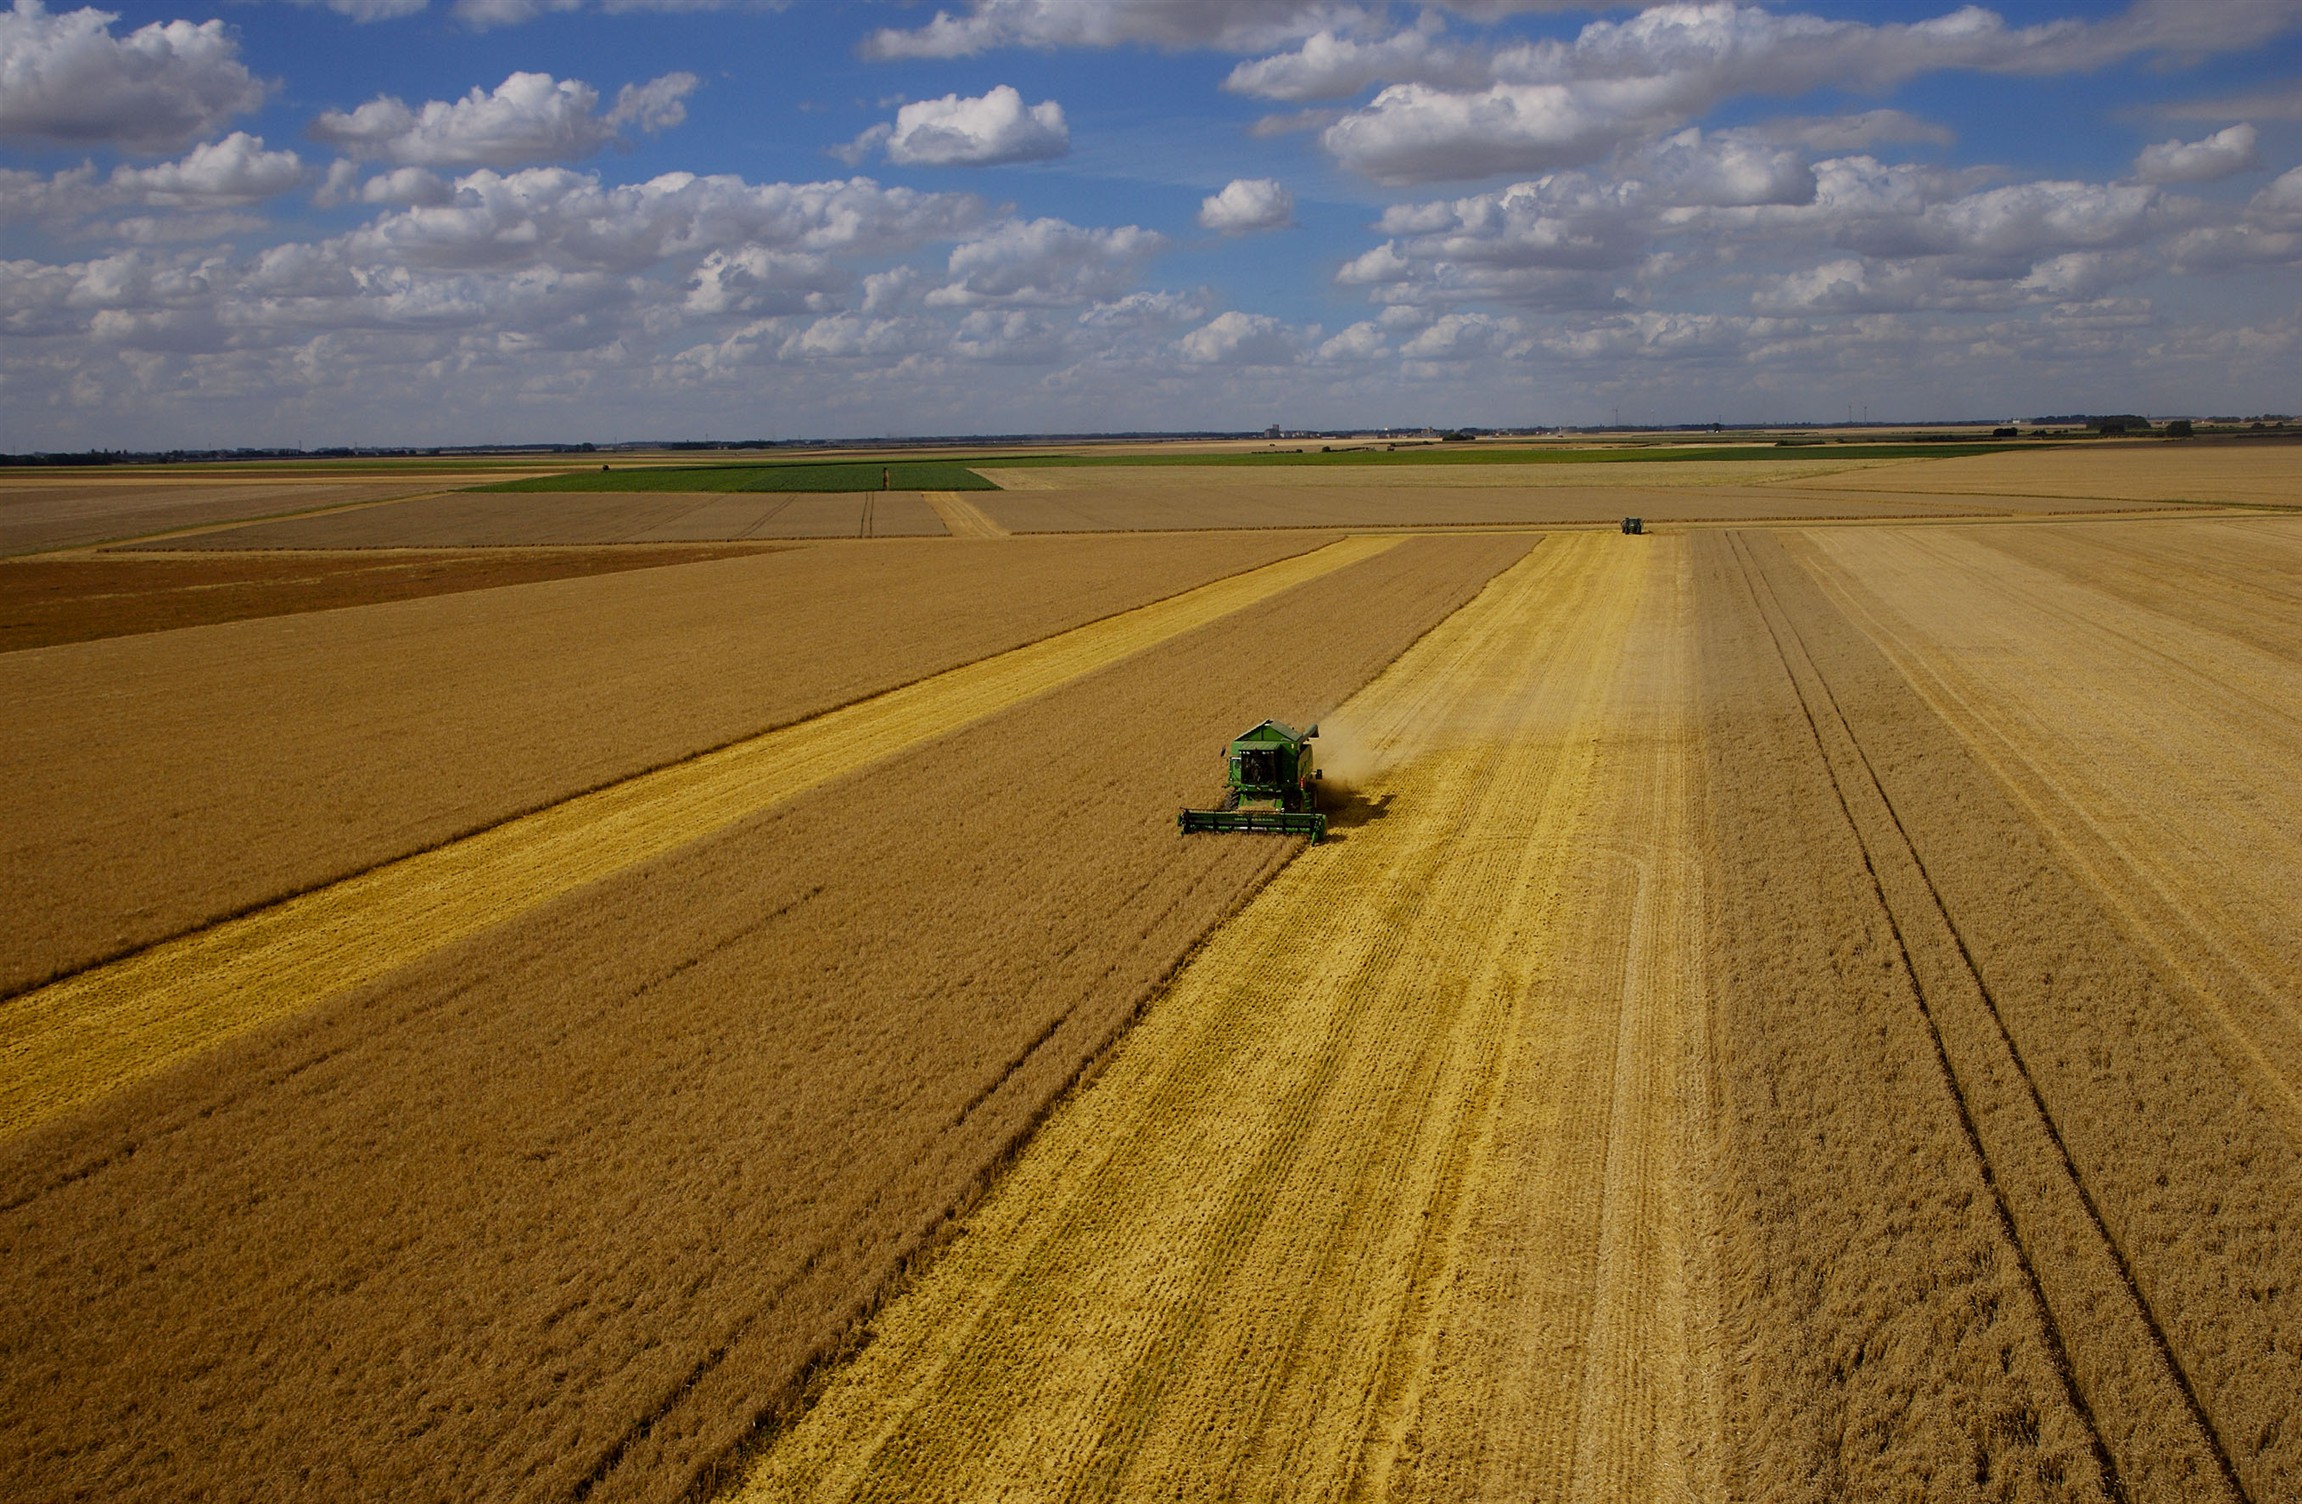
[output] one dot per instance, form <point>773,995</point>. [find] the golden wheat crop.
<point>2263,474</point>
<point>54,512</point>
<point>2129,957</point>
<point>159,783</point>
<point>1594,1121</point>
<point>83,597</point>
<point>1785,1014</point>
<point>89,1033</point>
<point>962,518</point>
<point>1398,1189</point>
<point>564,1208</point>
<point>1117,498</point>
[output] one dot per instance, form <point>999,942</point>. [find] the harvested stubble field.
<point>1751,1045</point>
<point>561,1210</point>
<point>82,597</point>
<point>1115,498</point>
<point>496,519</point>
<point>163,782</point>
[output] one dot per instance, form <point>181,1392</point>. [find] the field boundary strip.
<point>79,1038</point>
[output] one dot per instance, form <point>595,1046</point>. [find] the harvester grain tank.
<point>1270,786</point>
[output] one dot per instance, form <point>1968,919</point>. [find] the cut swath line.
<point>77,1039</point>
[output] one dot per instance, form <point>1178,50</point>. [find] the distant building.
<point>1272,432</point>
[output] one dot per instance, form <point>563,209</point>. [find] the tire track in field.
<point>1330,1224</point>
<point>2150,1434</point>
<point>2152,753</point>
<point>78,1038</point>
<point>770,515</point>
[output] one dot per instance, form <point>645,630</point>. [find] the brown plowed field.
<point>158,783</point>
<point>537,518</point>
<point>561,1210</point>
<point>1109,498</point>
<point>84,597</point>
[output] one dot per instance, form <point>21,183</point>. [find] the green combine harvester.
<point>1269,776</point>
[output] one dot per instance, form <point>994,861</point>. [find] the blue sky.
<point>455,221</point>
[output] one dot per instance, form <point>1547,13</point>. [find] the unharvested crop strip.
<point>81,1037</point>
<point>1820,705</point>
<point>1961,1106</point>
<point>2238,990</point>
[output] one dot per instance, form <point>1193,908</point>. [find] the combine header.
<point>1269,780</point>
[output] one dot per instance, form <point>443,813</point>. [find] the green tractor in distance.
<point>1269,776</point>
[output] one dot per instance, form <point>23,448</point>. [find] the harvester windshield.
<point>1259,767</point>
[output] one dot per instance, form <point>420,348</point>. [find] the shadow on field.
<point>1348,809</point>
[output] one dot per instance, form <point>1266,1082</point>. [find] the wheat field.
<point>91,1032</point>
<point>1737,1049</point>
<point>1796,1006</point>
<point>1399,1191</point>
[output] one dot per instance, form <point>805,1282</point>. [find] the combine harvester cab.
<point>1270,777</point>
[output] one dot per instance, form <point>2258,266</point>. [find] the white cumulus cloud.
<point>233,173</point>
<point>406,185</point>
<point>1459,336</point>
<point>1247,204</point>
<point>1363,341</point>
<point>1550,104</point>
<point>236,170</point>
<point>1555,104</point>
<point>1236,24</point>
<point>1331,66</point>
<point>1045,263</point>
<point>2178,161</point>
<point>67,79</point>
<point>557,217</point>
<point>1856,132</point>
<point>961,131</point>
<point>1242,339</point>
<point>1725,168</point>
<point>528,118</point>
